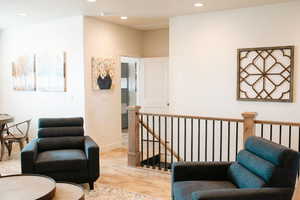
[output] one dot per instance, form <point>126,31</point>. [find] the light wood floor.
<point>115,172</point>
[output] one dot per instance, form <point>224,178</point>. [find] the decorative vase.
<point>104,83</point>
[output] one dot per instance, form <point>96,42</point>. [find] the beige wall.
<point>156,43</point>
<point>103,108</point>
<point>57,36</point>
<point>82,38</point>
<point>103,39</point>
<point>203,59</point>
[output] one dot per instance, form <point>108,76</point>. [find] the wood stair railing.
<point>198,138</point>
<point>162,142</point>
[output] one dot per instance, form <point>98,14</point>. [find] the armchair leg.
<point>91,184</point>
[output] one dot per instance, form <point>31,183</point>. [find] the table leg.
<point>2,141</point>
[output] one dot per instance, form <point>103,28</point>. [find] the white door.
<point>153,81</point>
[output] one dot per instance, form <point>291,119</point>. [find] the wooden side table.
<point>23,186</point>
<point>20,187</point>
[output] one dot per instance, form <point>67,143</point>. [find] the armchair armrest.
<point>28,156</point>
<point>245,194</point>
<point>199,171</point>
<point>92,154</point>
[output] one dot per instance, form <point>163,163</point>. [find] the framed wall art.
<point>103,73</point>
<point>265,74</point>
<point>24,73</point>
<point>51,72</point>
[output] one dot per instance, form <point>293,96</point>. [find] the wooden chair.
<point>16,133</point>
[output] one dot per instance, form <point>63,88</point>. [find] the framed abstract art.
<point>51,72</point>
<point>24,73</point>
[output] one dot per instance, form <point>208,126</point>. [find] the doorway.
<point>144,82</point>
<point>129,87</point>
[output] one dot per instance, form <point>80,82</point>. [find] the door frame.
<point>138,64</point>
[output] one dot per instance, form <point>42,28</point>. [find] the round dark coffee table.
<point>25,187</point>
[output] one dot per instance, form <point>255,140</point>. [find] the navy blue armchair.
<point>263,171</point>
<point>62,152</point>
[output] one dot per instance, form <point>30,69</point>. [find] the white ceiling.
<point>143,14</point>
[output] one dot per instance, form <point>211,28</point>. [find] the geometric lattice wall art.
<point>265,74</point>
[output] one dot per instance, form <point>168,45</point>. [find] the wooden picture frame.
<point>265,74</point>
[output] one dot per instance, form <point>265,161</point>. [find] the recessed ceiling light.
<point>198,4</point>
<point>124,17</point>
<point>92,1</point>
<point>22,14</point>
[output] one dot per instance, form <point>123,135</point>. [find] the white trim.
<point>136,60</point>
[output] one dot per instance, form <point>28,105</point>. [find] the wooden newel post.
<point>249,124</point>
<point>133,136</point>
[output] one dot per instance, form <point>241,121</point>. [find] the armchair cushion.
<point>60,131</point>
<point>200,171</point>
<point>260,167</point>
<point>60,127</point>
<point>57,143</point>
<point>183,190</point>
<point>286,160</point>
<point>244,194</point>
<point>60,122</point>
<point>243,178</point>
<point>267,150</point>
<point>61,160</point>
